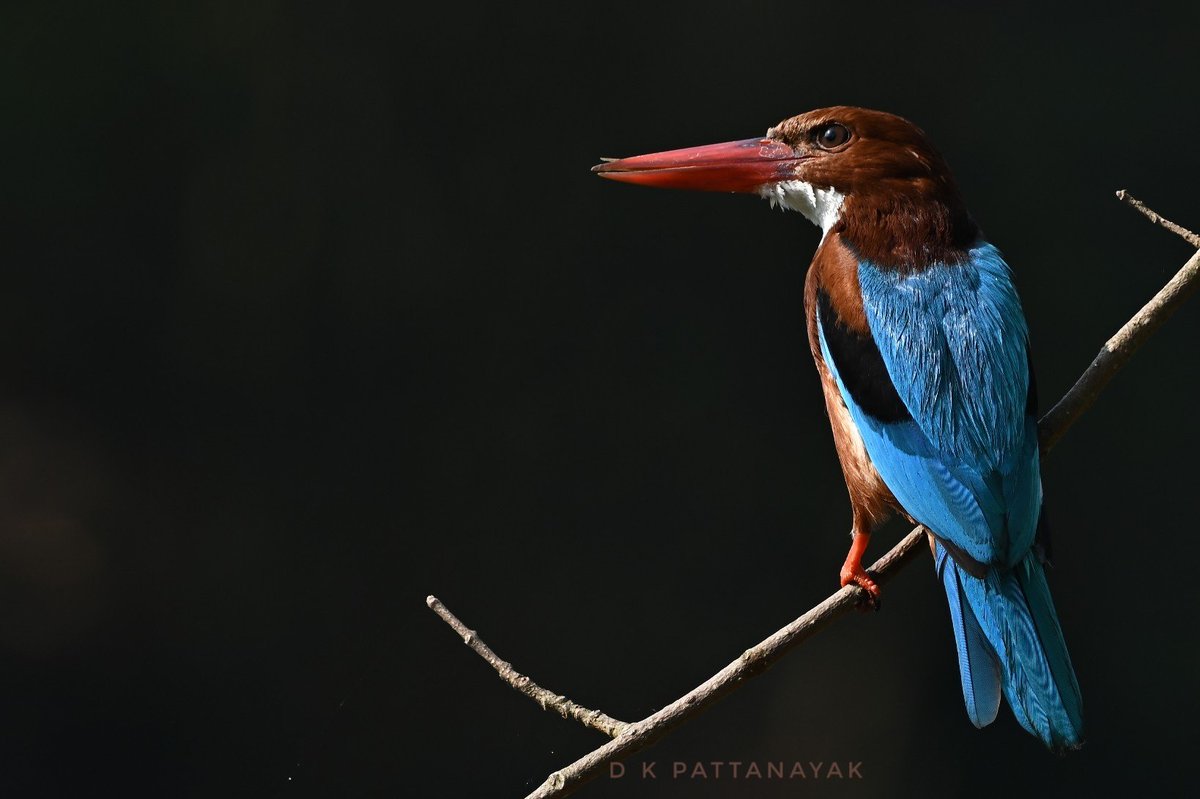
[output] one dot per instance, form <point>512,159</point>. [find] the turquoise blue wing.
<point>957,445</point>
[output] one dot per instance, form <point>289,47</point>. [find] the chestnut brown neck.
<point>908,230</point>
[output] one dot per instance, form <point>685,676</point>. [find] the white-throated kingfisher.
<point>923,354</point>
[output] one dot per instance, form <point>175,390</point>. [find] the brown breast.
<point>834,271</point>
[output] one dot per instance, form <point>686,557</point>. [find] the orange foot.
<point>853,572</point>
<point>858,576</point>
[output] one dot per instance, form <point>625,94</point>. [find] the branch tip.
<point>1158,219</point>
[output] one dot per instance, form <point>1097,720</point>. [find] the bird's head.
<point>873,176</point>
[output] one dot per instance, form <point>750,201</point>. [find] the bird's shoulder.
<point>955,341</point>
<point>945,345</point>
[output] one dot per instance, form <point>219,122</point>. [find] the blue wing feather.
<point>953,339</point>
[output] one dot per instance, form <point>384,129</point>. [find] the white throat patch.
<point>819,206</point>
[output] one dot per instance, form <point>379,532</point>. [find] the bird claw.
<point>871,597</point>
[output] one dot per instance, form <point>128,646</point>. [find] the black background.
<point>311,310</point>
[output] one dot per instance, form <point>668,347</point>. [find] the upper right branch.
<point>1118,349</point>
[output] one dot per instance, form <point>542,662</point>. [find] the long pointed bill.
<point>737,166</point>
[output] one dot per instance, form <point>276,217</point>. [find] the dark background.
<point>310,310</point>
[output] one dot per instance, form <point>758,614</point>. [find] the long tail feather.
<point>1009,638</point>
<point>977,663</point>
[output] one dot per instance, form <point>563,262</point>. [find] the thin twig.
<point>1118,349</point>
<point>547,699</point>
<point>633,737</point>
<point>1139,206</point>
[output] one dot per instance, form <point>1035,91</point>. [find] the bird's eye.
<point>832,135</point>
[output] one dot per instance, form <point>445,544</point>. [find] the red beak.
<point>739,166</point>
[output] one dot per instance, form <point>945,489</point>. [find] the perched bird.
<point>923,354</point>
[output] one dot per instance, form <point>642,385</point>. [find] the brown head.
<point>872,177</point>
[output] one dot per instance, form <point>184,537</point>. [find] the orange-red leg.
<point>853,571</point>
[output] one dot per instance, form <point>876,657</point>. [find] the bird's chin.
<point>820,206</point>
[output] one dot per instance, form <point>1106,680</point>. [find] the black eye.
<point>832,135</point>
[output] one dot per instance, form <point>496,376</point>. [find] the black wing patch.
<point>860,366</point>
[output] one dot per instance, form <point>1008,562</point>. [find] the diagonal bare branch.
<point>628,738</point>
<point>751,663</point>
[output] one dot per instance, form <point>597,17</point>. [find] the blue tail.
<point>1009,640</point>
